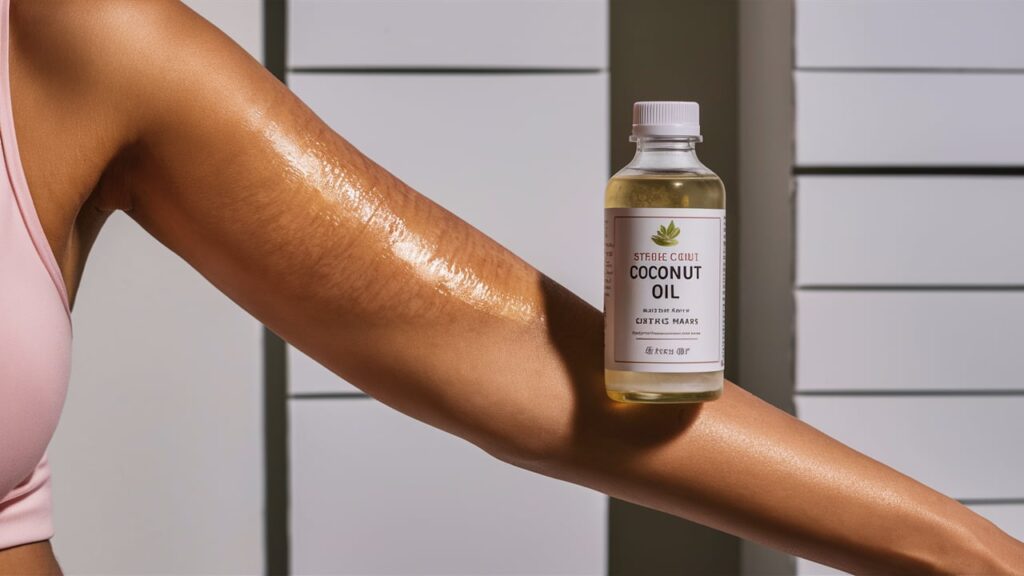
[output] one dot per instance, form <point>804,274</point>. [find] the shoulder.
<point>129,73</point>
<point>97,26</point>
<point>84,34</point>
<point>99,84</point>
<point>136,57</point>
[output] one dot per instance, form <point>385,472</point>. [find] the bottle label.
<point>664,291</point>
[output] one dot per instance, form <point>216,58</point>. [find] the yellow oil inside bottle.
<point>668,190</point>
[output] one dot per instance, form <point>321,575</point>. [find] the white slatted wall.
<point>910,255</point>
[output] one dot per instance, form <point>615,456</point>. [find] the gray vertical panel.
<point>157,465</point>
<point>275,385</point>
<point>766,257</point>
<point>679,50</point>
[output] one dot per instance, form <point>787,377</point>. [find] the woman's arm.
<point>402,298</point>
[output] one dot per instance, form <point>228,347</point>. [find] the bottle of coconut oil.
<point>664,300</point>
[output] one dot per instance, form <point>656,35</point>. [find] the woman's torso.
<point>35,339</point>
<point>44,212</point>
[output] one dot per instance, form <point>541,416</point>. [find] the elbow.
<point>521,453</point>
<point>541,438</point>
<point>529,450</point>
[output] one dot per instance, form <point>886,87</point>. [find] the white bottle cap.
<point>666,119</point>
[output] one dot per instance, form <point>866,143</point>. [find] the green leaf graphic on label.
<point>666,235</point>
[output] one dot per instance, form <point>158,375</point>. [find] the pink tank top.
<point>35,339</point>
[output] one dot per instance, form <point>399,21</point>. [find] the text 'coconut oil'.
<point>664,301</point>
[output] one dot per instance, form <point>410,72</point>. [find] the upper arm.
<point>385,287</point>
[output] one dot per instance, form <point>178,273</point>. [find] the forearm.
<point>526,383</point>
<point>742,466</point>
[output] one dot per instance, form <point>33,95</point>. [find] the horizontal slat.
<point>909,119</point>
<point>966,447</point>
<point>1009,517</point>
<point>376,492</point>
<point>517,156</point>
<point>909,340</point>
<point>909,230</point>
<point>448,33</point>
<point>947,34</point>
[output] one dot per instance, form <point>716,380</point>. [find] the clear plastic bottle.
<point>665,265</point>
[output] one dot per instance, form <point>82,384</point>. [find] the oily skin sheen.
<point>145,107</point>
<point>310,161</point>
